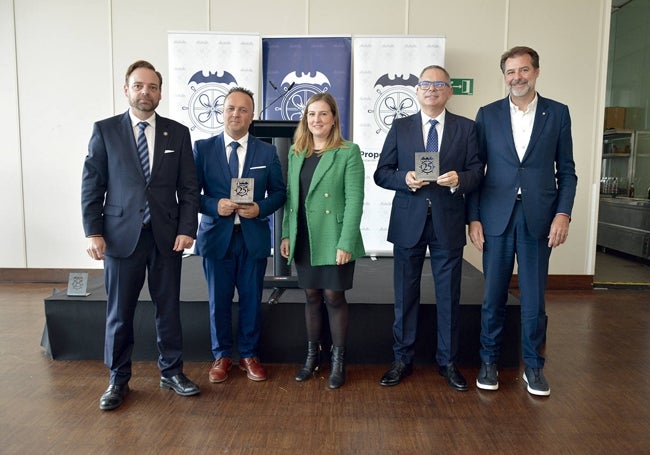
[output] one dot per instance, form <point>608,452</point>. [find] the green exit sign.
<point>463,86</point>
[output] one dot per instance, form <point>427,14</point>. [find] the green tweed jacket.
<point>333,205</point>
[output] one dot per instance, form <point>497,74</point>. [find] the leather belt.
<point>236,228</point>
<point>146,226</point>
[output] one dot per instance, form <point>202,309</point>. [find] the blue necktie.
<point>233,162</point>
<point>143,153</point>
<point>432,137</point>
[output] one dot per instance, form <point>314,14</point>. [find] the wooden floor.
<point>598,366</point>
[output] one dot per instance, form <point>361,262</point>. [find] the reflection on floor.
<point>618,270</point>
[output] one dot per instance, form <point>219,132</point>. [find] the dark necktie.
<point>143,153</point>
<point>233,162</point>
<point>432,137</point>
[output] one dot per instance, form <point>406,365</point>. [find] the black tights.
<point>337,311</point>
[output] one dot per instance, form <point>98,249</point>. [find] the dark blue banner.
<point>294,69</point>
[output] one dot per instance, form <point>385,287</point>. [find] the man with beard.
<point>139,200</point>
<point>522,210</point>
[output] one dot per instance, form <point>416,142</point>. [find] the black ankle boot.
<point>312,363</point>
<point>337,375</point>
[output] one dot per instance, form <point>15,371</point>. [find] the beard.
<point>144,105</point>
<point>519,90</point>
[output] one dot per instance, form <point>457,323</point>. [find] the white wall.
<point>62,65</point>
<point>12,226</point>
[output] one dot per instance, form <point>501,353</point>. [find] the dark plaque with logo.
<point>77,284</point>
<point>242,190</point>
<point>427,166</point>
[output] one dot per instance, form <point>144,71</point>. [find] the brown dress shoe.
<point>253,368</point>
<point>219,370</point>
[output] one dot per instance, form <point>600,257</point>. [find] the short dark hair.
<point>141,64</point>
<point>241,90</point>
<point>516,52</point>
<point>435,67</point>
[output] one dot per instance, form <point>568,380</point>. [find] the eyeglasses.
<point>437,85</point>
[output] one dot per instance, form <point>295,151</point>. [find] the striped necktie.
<point>143,153</point>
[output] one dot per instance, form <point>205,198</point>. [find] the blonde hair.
<point>303,139</point>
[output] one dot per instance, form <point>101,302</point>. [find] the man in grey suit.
<point>139,200</point>
<point>522,210</point>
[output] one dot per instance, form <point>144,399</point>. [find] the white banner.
<point>203,66</point>
<point>386,70</point>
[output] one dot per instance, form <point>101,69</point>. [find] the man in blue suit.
<point>235,239</point>
<point>428,215</point>
<point>522,210</point>
<point>139,202</point>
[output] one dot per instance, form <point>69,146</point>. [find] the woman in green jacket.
<point>320,229</point>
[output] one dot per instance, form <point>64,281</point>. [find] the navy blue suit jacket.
<point>261,164</point>
<point>546,175</point>
<point>458,152</point>
<point>114,189</point>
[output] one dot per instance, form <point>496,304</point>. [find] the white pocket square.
<point>258,167</point>
<point>170,151</point>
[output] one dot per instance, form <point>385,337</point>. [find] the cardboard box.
<point>615,118</point>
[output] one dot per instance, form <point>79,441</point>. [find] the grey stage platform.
<point>74,326</point>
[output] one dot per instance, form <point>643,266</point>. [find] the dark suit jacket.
<point>546,175</point>
<point>458,151</point>
<point>114,189</point>
<point>263,165</point>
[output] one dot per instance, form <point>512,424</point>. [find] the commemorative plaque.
<point>242,190</point>
<point>427,166</point>
<point>77,284</point>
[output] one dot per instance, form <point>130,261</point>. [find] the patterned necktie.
<point>233,162</point>
<point>432,137</point>
<point>143,153</point>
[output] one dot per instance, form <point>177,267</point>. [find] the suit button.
<point>327,212</point>
<point>327,195</point>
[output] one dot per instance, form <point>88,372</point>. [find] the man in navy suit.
<point>235,239</point>
<point>139,200</point>
<point>522,210</point>
<point>428,215</point>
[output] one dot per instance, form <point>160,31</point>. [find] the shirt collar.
<point>135,120</point>
<point>243,141</point>
<point>440,118</point>
<point>531,107</point>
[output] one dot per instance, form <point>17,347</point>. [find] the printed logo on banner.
<point>205,106</point>
<point>300,89</point>
<point>396,99</point>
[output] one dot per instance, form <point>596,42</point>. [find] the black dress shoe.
<point>454,378</point>
<point>397,371</point>
<point>113,397</point>
<point>180,384</point>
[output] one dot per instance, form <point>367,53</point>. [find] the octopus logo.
<point>300,89</point>
<point>205,107</point>
<point>396,99</point>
